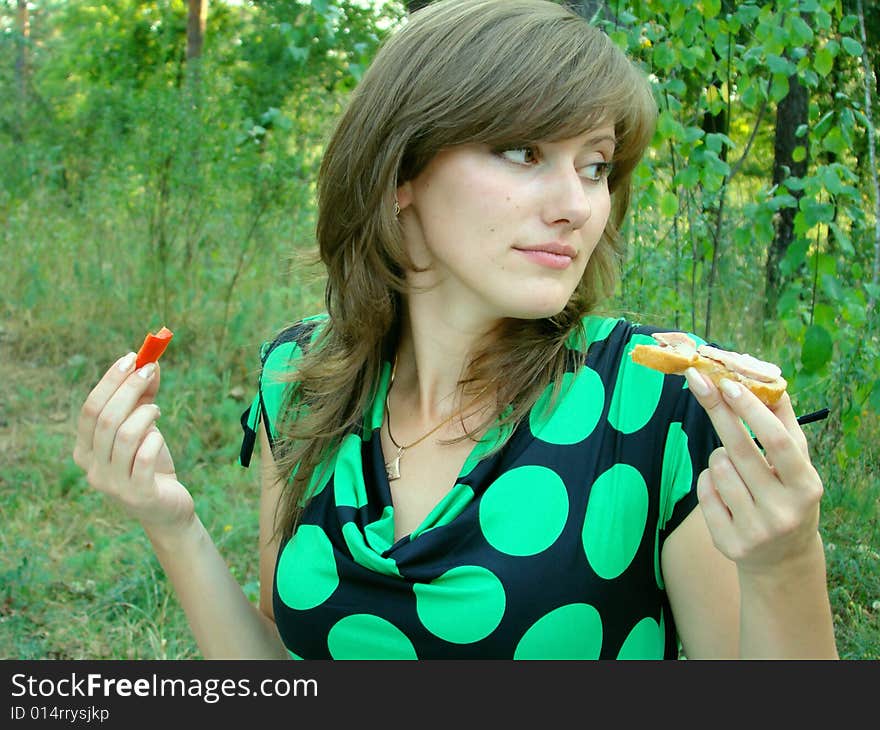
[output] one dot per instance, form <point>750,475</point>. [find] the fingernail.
<point>696,382</point>
<point>729,388</point>
<point>147,370</point>
<point>126,362</point>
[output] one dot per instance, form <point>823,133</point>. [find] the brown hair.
<point>496,72</point>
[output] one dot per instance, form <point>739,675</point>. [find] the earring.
<point>396,208</point>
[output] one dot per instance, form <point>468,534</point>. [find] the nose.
<point>568,199</point>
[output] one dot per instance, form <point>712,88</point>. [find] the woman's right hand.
<point>124,454</point>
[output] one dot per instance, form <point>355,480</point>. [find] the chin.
<point>537,310</point>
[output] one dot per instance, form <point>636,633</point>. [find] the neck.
<point>433,353</point>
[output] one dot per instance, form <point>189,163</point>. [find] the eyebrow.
<point>602,138</point>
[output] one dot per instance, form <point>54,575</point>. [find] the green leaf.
<point>799,153</point>
<point>842,237</point>
<point>817,349</point>
<point>664,56</point>
<point>816,212</point>
<point>668,126</point>
<point>848,23</point>
<point>691,56</point>
<point>688,177</point>
<point>852,47</point>
<point>824,61</point>
<point>802,32</point>
<point>621,40</point>
<point>669,204</point>
<point>780,65</point>
<point>834,141</point>
<point>794,257</point>
<point>779,87</point>
<point>833,290</point>
<point>711,8</point>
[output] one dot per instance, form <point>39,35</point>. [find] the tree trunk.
<point>195,28</point>
<point>22,66</point>
<point>791,112</point>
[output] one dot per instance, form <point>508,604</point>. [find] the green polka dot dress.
<point>548,548</point>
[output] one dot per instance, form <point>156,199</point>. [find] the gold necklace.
<point>392,468</point>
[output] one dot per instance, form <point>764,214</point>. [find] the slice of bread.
<point>675,352</point>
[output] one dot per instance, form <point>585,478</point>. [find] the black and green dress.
<point>548,548</point>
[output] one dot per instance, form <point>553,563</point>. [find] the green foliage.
<point>711,189</point>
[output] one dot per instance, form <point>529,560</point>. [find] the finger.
<point>741,448</point>
<point>95,403</point>
<point>119,407</point>
<point>785,413</point>
<point>149,395</point>
<point>143,473</point>
<point>729,485</point>
<point>715,511</point>
<point>129,438</point>
<point>781,449</point>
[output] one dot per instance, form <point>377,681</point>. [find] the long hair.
<point>495,72</point>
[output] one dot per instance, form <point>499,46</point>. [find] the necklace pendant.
<point>392,469</point>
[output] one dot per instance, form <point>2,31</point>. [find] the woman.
<point>458,458</point>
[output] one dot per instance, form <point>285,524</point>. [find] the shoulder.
<point>636,396</point>
<point>289,345</point>
<point>607,341</point>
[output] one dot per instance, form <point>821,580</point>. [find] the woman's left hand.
<point>762,509</point>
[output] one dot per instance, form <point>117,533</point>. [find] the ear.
<point>404,195</point>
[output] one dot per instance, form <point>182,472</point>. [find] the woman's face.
<point>508,233</point>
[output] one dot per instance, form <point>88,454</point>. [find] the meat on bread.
<point>675,352</point>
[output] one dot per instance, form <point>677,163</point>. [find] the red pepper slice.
<point>153,347</point>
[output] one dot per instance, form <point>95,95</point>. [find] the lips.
<point>551,255</point>
<point>558,249</point>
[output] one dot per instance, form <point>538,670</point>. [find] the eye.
<point>596,171</point>
<point>521,155</point>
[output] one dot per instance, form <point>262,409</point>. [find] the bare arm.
<point>745,574</point>
<point>723,616</point>
<point>126,458</point>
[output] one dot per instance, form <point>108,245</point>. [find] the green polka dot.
<point>568,632</point>
<point>272,383</point>
<point>294,655</point>
<point>524,510</point>
<point>348,481</point>
<point>636,393</point>
<point>493,438</point>
<point>675,482</point>
<point>677,474</point>
<point>380,534</point>
<point>364,554</point>
<point>645,641</point>
<point>374,414</point>
<point>320,478</point>
<point>594,329</point>
<point>446,510</point>
<point>615,521</point>
<point>576,411</point>
<point>364,636</point>
<point>306,573</point>
<point>461,606</point>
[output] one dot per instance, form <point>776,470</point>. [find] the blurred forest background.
<point>157,166</point>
